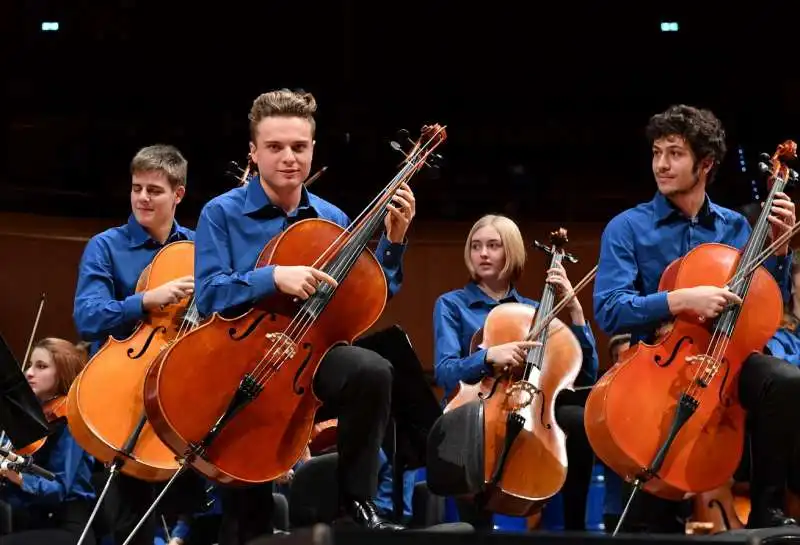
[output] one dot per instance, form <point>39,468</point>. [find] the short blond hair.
<point>282,103</point>
<point>161,158</point>
<point>513,246</point>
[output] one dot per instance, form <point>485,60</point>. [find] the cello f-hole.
<point>657,358</point>
<point>252,327</point>
<point>156,331</point>
<point>299,390</point>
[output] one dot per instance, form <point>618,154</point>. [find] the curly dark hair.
<point>701,129</point>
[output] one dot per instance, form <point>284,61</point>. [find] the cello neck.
<point>546,303</point>
<point>779,175</point>
<point>339,259</point>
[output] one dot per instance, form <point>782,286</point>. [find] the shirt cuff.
<point>181,530</point>
<point>263,281</point>
<point>783,261</point>
<point>656,306</point>
<point>133,307</point>
<point>390,253</point>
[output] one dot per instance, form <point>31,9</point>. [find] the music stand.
<point>21,415</point>
<point>414,406</point>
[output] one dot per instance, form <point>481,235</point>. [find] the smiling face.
<point>153,199</point>
<point>675,167</point>
<point>283,150</point>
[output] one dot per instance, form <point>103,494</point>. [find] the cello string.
<point>412,163</point>
<point>548,296</point>
<point>710,361</point>
<point>302,322</point>
<point>564,302</point>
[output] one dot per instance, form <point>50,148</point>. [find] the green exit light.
<point>669,26</point>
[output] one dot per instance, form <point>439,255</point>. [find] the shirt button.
<point>388,252</point>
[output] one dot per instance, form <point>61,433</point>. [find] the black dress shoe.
<point>769,518</point>
<point>365,514</point>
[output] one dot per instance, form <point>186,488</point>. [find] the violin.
<point>667,417</point>
<point>54,410</point>
<point>524,449</point>
<point>105,407</point>
<point>249,378</point>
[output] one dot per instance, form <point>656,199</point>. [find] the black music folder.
<point>21,415</point>
<point>414,406</point>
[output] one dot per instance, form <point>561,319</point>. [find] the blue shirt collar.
<point>476,296</point>
<point>257,200</point>
<point>664,210</point>
<point>140,237</point>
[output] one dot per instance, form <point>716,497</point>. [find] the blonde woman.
<point>494,255</point>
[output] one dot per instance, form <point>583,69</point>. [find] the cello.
<point>249,378</point>
<point>667,417</point>
<point>105,407</point>
<point>524,449</point>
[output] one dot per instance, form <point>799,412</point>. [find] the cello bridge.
<point>520,395</point>
<point>283,343</point>
<point>710,367</point>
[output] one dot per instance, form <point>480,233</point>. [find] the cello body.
<point>536,465</point>
<point>105,403</point>
<point>191,386</point>
<point>630,410</point>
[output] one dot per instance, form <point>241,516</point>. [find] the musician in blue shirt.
<point>46,512</point>
<point>688,144</point>
<point>106,302</point>
<point>494,254</point>
<point>785,344</point>
<point>233,229</point>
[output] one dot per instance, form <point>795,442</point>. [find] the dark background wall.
<point>545,105</point>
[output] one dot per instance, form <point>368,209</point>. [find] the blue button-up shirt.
<point>233,229</point>
<point>638,245</point>
<point>785,344</point>
<point>106,302</point>
<point>458,314</point>
<point>72,468</point>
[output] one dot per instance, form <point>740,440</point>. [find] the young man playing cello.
<point>106,302</point>
<point>233,229</point>
<point>637,245</point>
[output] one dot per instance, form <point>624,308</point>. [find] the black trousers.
<point>354,384</point>
<point>579,474</point>
<point>62,525</point>
<point>769,389</point>
<point>127,501</point>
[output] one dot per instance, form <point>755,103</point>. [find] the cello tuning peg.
<point>571,258</point>
<point>765,157</point>
<point>539,246</point>
<point>397,147</point>
<point>403,134</point>
<point>764,168</point>
<point>793,176</point>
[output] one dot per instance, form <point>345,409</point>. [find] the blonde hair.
<point>161,158</point>
<point>68,358</point>
<point>513,246</point>
<point>282,103</point>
